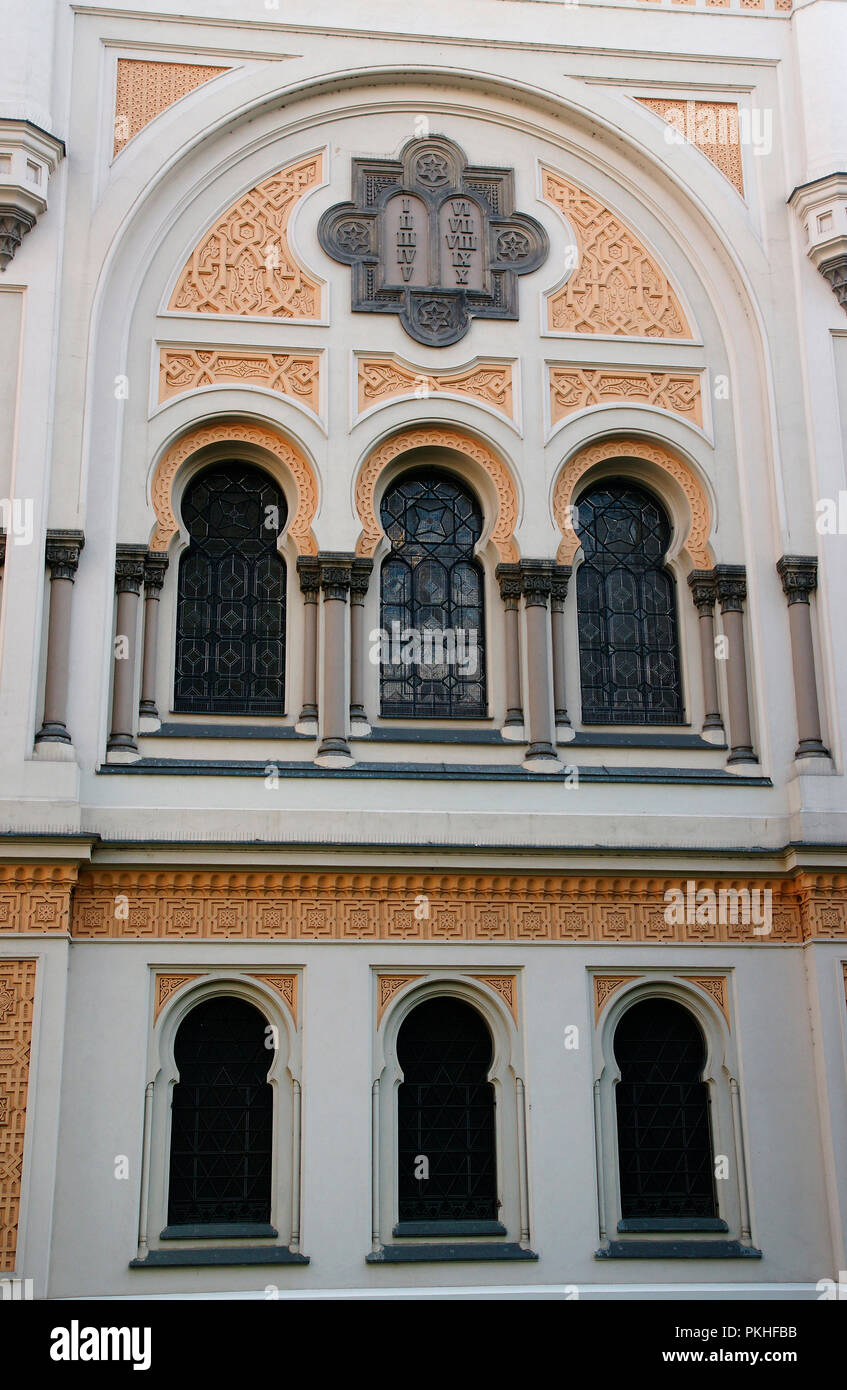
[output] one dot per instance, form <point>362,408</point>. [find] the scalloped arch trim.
<point>696,542</point>
<point>172,460</point>
<point>417,438</point>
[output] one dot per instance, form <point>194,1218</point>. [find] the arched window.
<point>664,1132</point>
<point>626,604</point>
<point>221,1117</point>
<point>445,1115</point>
<point>230,624</point>
<point>432,609</point>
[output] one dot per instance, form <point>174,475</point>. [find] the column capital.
<point>62,553</point>
<point>732,587</point>
<point>155,568</point>
<point>704,590</point>
<point>536,582</point>
<point>559,590</point>
<point>2,547</point>
<point>360,578</point>
<point>336,569</point>
<point>309,574</point>
<point>508,576</point>
<point>129,568</point>
<point>799,575</point>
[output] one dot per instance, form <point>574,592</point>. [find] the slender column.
<point>129,575</point>
<point>732,591</point>
<point>155,565</point>
<point>743,1198</point>
<point>308,570</point>
<point>799,575</point>
<point>704,591</point>
<point>523,1167</point>
<point>146,1132</point>
<point>509,579</point>
<point>558,595</point>
<point>336,573</point>
<point>62,553</point>
<point>536,585</point>
<point>296,1161</point>
<point>375,1221</point>
<point>359,581</point>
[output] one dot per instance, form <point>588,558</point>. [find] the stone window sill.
<point>235,1230</point>
<point>672,1223</point>
<point>449,1228</point>
<point>438,1254</point>
<point>222,1255</point>
<point>677,1250</point>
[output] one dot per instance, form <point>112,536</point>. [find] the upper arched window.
<point>221,1117</point>
<point>432,607</point>
<point>626,603</point>
<point>664,1131</point>
<point>445,1115</point>
<point>230,624</point>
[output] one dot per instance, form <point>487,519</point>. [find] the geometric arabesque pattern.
<point>664,1139</point>
<point>17,994</point>
<point>626,605</point>
<point>230,643</point>
<point>222,1116</point>
<point>445,1115</point>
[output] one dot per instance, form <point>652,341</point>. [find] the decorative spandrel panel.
<point>17,994</point>
<point>433,239</point>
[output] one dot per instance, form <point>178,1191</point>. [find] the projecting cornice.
<point>822,208</point>
<point>28,156</point>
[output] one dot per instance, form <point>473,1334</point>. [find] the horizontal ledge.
<point>678,1250</point>
<point>225,1255</point>
<point>672,1223</point>
<point>431,1254</point>
<point>220,1230</point>
<point>449,1228</point>
<point>269,731</point>
<point>444,772</point>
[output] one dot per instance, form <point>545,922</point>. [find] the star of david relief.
<point>433,239</point>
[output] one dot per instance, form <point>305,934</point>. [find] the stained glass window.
<point>445,1115</point>
<point>664,1136</point>
<point>626,602</point>
<point>230,642</point>
<point>221,1116</point>
<point>432,610</point>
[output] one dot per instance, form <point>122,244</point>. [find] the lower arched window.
<point>221,1117</point>
<point>664,1132</point>
<point>432,608</point>
<point>445,1115</point>
<point>230,621</point>
<point>626,605</point>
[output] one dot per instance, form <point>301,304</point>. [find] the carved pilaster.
<point>509,579</point>
<point>336,575</point>
<point>537,587</point>
<point>129,568</point>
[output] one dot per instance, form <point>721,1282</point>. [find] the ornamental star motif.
<point>434,315</point>
<point>432,169</point>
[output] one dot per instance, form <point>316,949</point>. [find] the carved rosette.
<point>62,553</point>
<point>799,575</point>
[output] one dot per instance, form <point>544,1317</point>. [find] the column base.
<point>713,733</point>
<point>334,752</point>
<point>50,751</point>
<point>123,755</point>
<point>307,726</point>
<point>565,733</point>
<point>540,757</point>
<point>741,757</point>
<point>53,733</point>
<point>514,733</point>
<point>813,765</point>
<point>359,728</point>
<point>149,723</point>
<point>811,748</point>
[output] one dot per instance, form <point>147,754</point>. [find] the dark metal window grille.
<point>626,603</point>
<point>430,582</point>
<point>664,1133</point>
<point>445,1114</point>
<point>221,1117</point>
<point>230,624</point>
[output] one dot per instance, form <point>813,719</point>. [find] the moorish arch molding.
<point>617,286</point>
<point>244,263</point>
<point>237,432</point>
<point>696,544</point>
<point>423,437</point>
